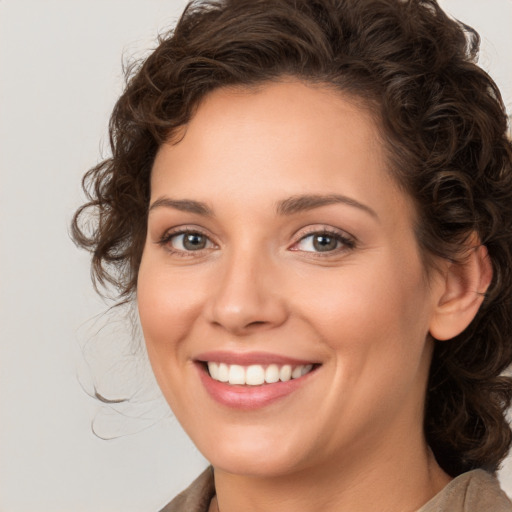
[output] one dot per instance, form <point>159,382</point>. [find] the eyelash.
<point>347,242</point>
<point>169,235</point>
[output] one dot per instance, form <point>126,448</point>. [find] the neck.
<point>364,485</point>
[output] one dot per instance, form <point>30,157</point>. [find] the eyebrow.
<point>184,205</point>
<point>300,203</point>
<point>289,206</point>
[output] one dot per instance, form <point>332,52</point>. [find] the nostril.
<point>259,322</point>
<point>256,326</point>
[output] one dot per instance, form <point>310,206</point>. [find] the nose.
<point>247,297</point>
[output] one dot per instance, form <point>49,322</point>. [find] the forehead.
<point>279,138</point>
<point>284,105</point>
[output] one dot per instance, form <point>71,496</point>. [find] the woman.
<point>310,202</point>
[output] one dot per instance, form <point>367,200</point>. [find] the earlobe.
<point>462,293</point>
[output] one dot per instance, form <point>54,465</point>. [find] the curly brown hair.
<point>442,121</point>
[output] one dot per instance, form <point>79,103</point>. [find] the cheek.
<point>374,322</point>
<point>376,308</point>
<point>168,304</point>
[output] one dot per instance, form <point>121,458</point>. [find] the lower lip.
<point>249,397</point>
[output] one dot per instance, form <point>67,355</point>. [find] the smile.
<point>255,374</point>
<point>253,380</point>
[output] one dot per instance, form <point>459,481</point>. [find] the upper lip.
<point>248,358</point>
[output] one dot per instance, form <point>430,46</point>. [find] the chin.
<point>252,458</point>
<point>254,467</point>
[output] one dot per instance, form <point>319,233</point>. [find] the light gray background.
<point>60,73</point>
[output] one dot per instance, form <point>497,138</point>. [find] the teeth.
<point>256,375</point>
<point>286,373</point>
<point>272,374</point>
<point>223,375</point>
<point>236,374</point>
<point>306,369</point>
<point>213,368</point>
<point>297,372</point>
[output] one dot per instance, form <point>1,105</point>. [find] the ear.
<point>462,292</point>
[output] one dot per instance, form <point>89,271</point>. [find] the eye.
<point>186,241</point>
<point>323,241</point>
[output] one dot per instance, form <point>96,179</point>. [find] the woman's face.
<point>281,254</point>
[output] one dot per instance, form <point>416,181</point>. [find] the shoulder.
<point>196,497</point>
<point>474,491</point>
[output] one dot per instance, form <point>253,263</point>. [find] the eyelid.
<point>167,236</point>
<point>348,241</point>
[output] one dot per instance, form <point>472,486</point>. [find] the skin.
<point>363,310</point>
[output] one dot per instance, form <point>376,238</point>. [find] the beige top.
<point>475,491</point>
